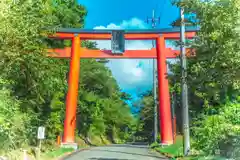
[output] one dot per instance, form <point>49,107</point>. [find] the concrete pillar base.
<point>165,144</point>
<point>69,145</point>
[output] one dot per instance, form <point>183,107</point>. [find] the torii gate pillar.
<point>161,54</point>
<point>72,94</point>
<point>163,94</point>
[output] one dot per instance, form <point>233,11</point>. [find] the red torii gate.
<point>161,53</point>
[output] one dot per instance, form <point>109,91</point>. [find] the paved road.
<point>117,152</point>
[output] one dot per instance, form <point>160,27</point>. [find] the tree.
<point>145,116</point>
<point>177,22</point>
<point>12,129</point>
<point>38,83</point>
<point>213,74</point>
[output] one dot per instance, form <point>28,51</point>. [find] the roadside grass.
<point>175,151</point>
<point>59,152</point>
<point>203,158</point>
<point>50,151</point>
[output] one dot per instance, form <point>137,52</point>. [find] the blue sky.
<point>133,76</point>
<point>104,12</point>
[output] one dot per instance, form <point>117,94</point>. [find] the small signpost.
<point>41,133</point>
<point>40,137</point>
<point>118,42</point>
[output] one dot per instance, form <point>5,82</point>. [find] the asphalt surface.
<point>117,152</point>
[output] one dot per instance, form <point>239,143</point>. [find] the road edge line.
<point>73,153</point>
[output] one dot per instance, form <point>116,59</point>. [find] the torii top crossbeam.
<point>105,34</point>
<point>76,52</point>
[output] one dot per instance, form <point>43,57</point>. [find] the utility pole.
<point>153,20</point>
<point>184,92</point>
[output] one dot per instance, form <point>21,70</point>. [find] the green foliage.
<point>68,14</point>
<point>174,150</point>
<point>59,152</point>
<point>177,22</point>
<point>219,132</point>
<point>55,120</point>
<point>146,116</point>
<point>218,51</point>
<point>34,78</point>
<point>12,130</point>
<point>213,75</point>
<point>37,85</point>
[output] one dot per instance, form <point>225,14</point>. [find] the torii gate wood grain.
<point>161,53</point>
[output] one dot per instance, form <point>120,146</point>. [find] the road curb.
<point>165,155</point>
<point>69,154</point>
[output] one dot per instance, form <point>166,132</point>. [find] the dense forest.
<point>213,79</point>
<point>33,87</point>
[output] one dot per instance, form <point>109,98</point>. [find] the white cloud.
<point>126,71</point>
<point>130,77</point>
<point>133,23</point>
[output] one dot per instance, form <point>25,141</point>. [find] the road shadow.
<point>108,159</point>
<point>137,154</point>
<point>128,146</point>
<point>138,143</point>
